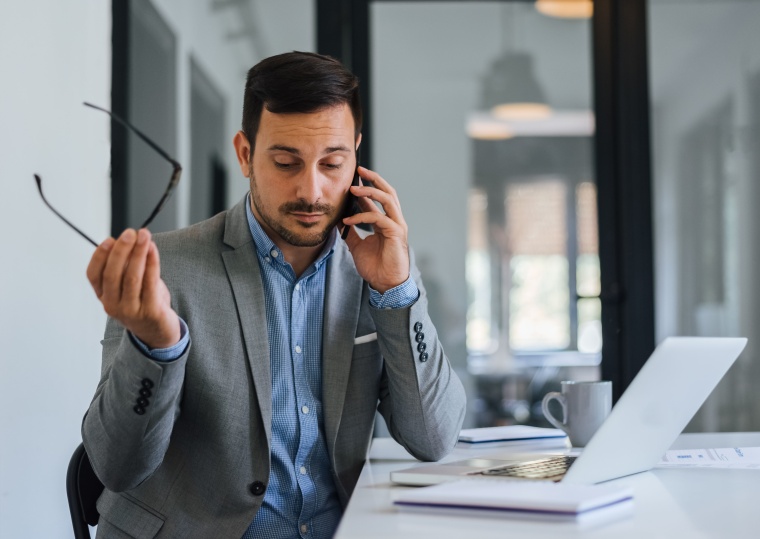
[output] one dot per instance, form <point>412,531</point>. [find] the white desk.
<point>669,503</point>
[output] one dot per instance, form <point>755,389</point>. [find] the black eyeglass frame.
<point>173,181</point>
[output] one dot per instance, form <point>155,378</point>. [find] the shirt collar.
<point>267,248</point>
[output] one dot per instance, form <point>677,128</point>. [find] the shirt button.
<point>304,528</point>
<point>298,349</point>
<point>298,286</point>
<point>305,409</point>
<point>268,260</point>
<point>274,253</point>
<point>303,470</point>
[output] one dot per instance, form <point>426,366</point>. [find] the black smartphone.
<point>351,206</point>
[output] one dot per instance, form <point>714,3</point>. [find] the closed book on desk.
<point>534,499</point>
<point>514,435</point>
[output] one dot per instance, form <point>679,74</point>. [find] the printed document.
<point>728,457</point>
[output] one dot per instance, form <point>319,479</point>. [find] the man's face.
<point>300,173</point>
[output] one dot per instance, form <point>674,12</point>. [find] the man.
<point>240,380</point>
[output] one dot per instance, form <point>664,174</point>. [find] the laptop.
<point>662,398</point>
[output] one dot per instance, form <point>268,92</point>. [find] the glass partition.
<point>483,121</point>
<point>705,94</point>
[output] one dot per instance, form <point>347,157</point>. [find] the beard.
<point>300,234</point>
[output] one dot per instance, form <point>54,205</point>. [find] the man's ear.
<point>243,153</point>
<point>358,141</point>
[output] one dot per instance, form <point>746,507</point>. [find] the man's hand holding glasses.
<point>126,276</point>
<point>125,273</point>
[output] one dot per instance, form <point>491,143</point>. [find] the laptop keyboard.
<point>550,468</point>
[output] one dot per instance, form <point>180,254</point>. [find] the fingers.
<point>376,179</point>
<point>366,204</point>
<point>113,272</point>
<point>382,259</point>
<point>381,192</point>
<point>96,265</point>
<point>117,270</point>
<point>125,274</point>
<point>132,280</point>
<point>381,222</point>
<point>152,280</point>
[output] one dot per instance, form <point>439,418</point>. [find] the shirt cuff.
<point>165,354</point>
<point>399,297</point>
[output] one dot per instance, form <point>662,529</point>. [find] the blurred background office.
<point>580,182</point>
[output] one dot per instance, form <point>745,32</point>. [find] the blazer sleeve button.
<point>145,392</point>
<point>139,410</point>
<point>419,337</point>
<point>424,357</point>
<point>147,383</point>
<point>258,488</point>
<point>142,402</point>
<point>418,327</point>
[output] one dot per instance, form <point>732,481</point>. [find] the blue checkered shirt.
<point>301,499</point>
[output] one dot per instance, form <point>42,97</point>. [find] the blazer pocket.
<point>129,515</point>
<point>366,338</point>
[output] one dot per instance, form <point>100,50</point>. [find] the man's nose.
<point>310,185</point>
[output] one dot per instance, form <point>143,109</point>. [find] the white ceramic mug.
<point>585,406</point>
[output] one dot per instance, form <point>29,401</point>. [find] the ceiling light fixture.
<point>511,91</point>
<point>566,9</point>
<point>488,129</point>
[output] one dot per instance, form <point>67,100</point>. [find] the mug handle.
<point>548,415</point>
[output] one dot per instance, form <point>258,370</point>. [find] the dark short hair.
<point>298,82</point>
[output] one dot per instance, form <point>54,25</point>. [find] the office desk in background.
<point>669,503</point>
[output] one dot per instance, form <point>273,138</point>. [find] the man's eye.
<point>333,166</point>
<point>284,165</point>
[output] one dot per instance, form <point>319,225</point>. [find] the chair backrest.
<point>83,489</point>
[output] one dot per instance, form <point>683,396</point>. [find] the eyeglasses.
<point>172,182</point>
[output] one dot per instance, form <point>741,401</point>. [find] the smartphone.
<point>351,205</point>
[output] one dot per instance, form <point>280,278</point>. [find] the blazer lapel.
<point>245,277</point>
<point>343,290</point>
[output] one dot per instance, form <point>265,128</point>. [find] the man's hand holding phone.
<point>382,259</point>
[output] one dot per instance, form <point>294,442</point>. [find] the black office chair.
<point>83,489</point>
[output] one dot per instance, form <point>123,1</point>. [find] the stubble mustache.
<point>301,206</point>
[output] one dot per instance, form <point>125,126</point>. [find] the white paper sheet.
<point>727,457</point>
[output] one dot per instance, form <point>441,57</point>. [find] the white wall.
<point>226,43</point>
<point>53,56</point>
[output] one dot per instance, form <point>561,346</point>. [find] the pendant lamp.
<point>566,9</point>
<point>511,91</point>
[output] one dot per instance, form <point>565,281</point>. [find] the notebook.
<point>662,398</point>
<point>531,499</point>
<point>512,433</point>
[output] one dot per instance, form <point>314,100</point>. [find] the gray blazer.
<point>193,459</point>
